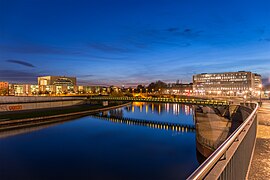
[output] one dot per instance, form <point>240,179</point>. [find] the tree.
<point>117,94</point>
<point>3,91</point>
<point>156,86</point>
<point>140,88</point>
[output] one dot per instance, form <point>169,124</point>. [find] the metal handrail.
<point>209,163</point>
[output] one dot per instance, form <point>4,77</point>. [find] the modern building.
<point>20,89</point>
<point>3,88</point>
<point>57,84</point>
<point>228,83</point>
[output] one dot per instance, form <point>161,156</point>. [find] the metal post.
<point>260,86</point>
<point>260,98</point>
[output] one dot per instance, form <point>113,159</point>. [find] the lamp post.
<point>260,86</point>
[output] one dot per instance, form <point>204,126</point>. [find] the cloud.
<point>186,32</point>
<point>15,76</point>
<point>24,63</point>
<point>190,33</point>
<point>32,49</point>
<point>109,48</point>
<point>172,29</point>
<point>265,39</point>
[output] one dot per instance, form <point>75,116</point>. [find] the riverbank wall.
<point>13,103</point>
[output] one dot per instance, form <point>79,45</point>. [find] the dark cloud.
<point>173,29</point>
<point>24,63</point>
<point>264,39</point>
<point>109,48</point>
<point>186,32</point>
<point>85,76</point>
<point>40,49</point>
<point>106,58</point>
<point>15,76</point>
<point>32,49</point>
<point>148,38</point>
<point>261,30</point>
<point>184,44</point>
<point>190,33</point>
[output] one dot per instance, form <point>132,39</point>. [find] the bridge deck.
<point>164,100</point>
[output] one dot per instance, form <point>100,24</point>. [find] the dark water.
<point>92,148</point>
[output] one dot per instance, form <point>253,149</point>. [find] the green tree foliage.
<point>3,91</point>
<point>117,94</point>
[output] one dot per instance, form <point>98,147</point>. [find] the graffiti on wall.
<point>10,107</point>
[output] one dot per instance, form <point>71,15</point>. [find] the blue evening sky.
<point>132,41</point>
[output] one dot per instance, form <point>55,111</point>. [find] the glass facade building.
<point>228,83</point>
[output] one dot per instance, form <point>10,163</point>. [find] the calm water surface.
<point>97,148</point>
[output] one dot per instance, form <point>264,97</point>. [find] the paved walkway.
<point>260,166</point>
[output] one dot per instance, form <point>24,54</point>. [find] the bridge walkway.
<point>260,165</point>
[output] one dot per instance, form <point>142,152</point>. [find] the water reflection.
<point>168,116</point>
<point>141,141</point>
<point>160,108</point>
<point>117,117</point>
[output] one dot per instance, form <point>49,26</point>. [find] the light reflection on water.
<point>160,108</point>
<point>165,112</point>
<point>91,148</point>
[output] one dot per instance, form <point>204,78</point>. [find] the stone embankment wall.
<point>10,103</point>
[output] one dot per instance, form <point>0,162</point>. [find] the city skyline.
<point>131,42</point>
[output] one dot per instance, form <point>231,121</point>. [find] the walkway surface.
<point>260,166</point>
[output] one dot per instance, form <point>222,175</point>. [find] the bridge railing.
<point>165,100</point>
<point>231,160</point>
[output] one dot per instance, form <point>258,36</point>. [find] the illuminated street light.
<point>260,86</point>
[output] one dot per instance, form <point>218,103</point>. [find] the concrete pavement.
<point>260,165</point>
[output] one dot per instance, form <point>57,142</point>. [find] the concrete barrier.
<point>38,105</point>
<point>23,99</point>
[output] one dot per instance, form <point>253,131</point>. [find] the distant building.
<point>57,84</point>
<point>257,82</point>
<point>3,88</point>
<point>228,83</point>
<point>179,88</point>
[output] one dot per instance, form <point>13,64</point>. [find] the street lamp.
<point>260,86</point>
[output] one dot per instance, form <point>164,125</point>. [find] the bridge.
<point>231,160</point>
<point>163,100</point>
<point>148,123</point>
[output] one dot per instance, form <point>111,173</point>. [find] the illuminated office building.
<point>57,84</point>
<point>229,83</point>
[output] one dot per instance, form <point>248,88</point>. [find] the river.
<point>139,141</point>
